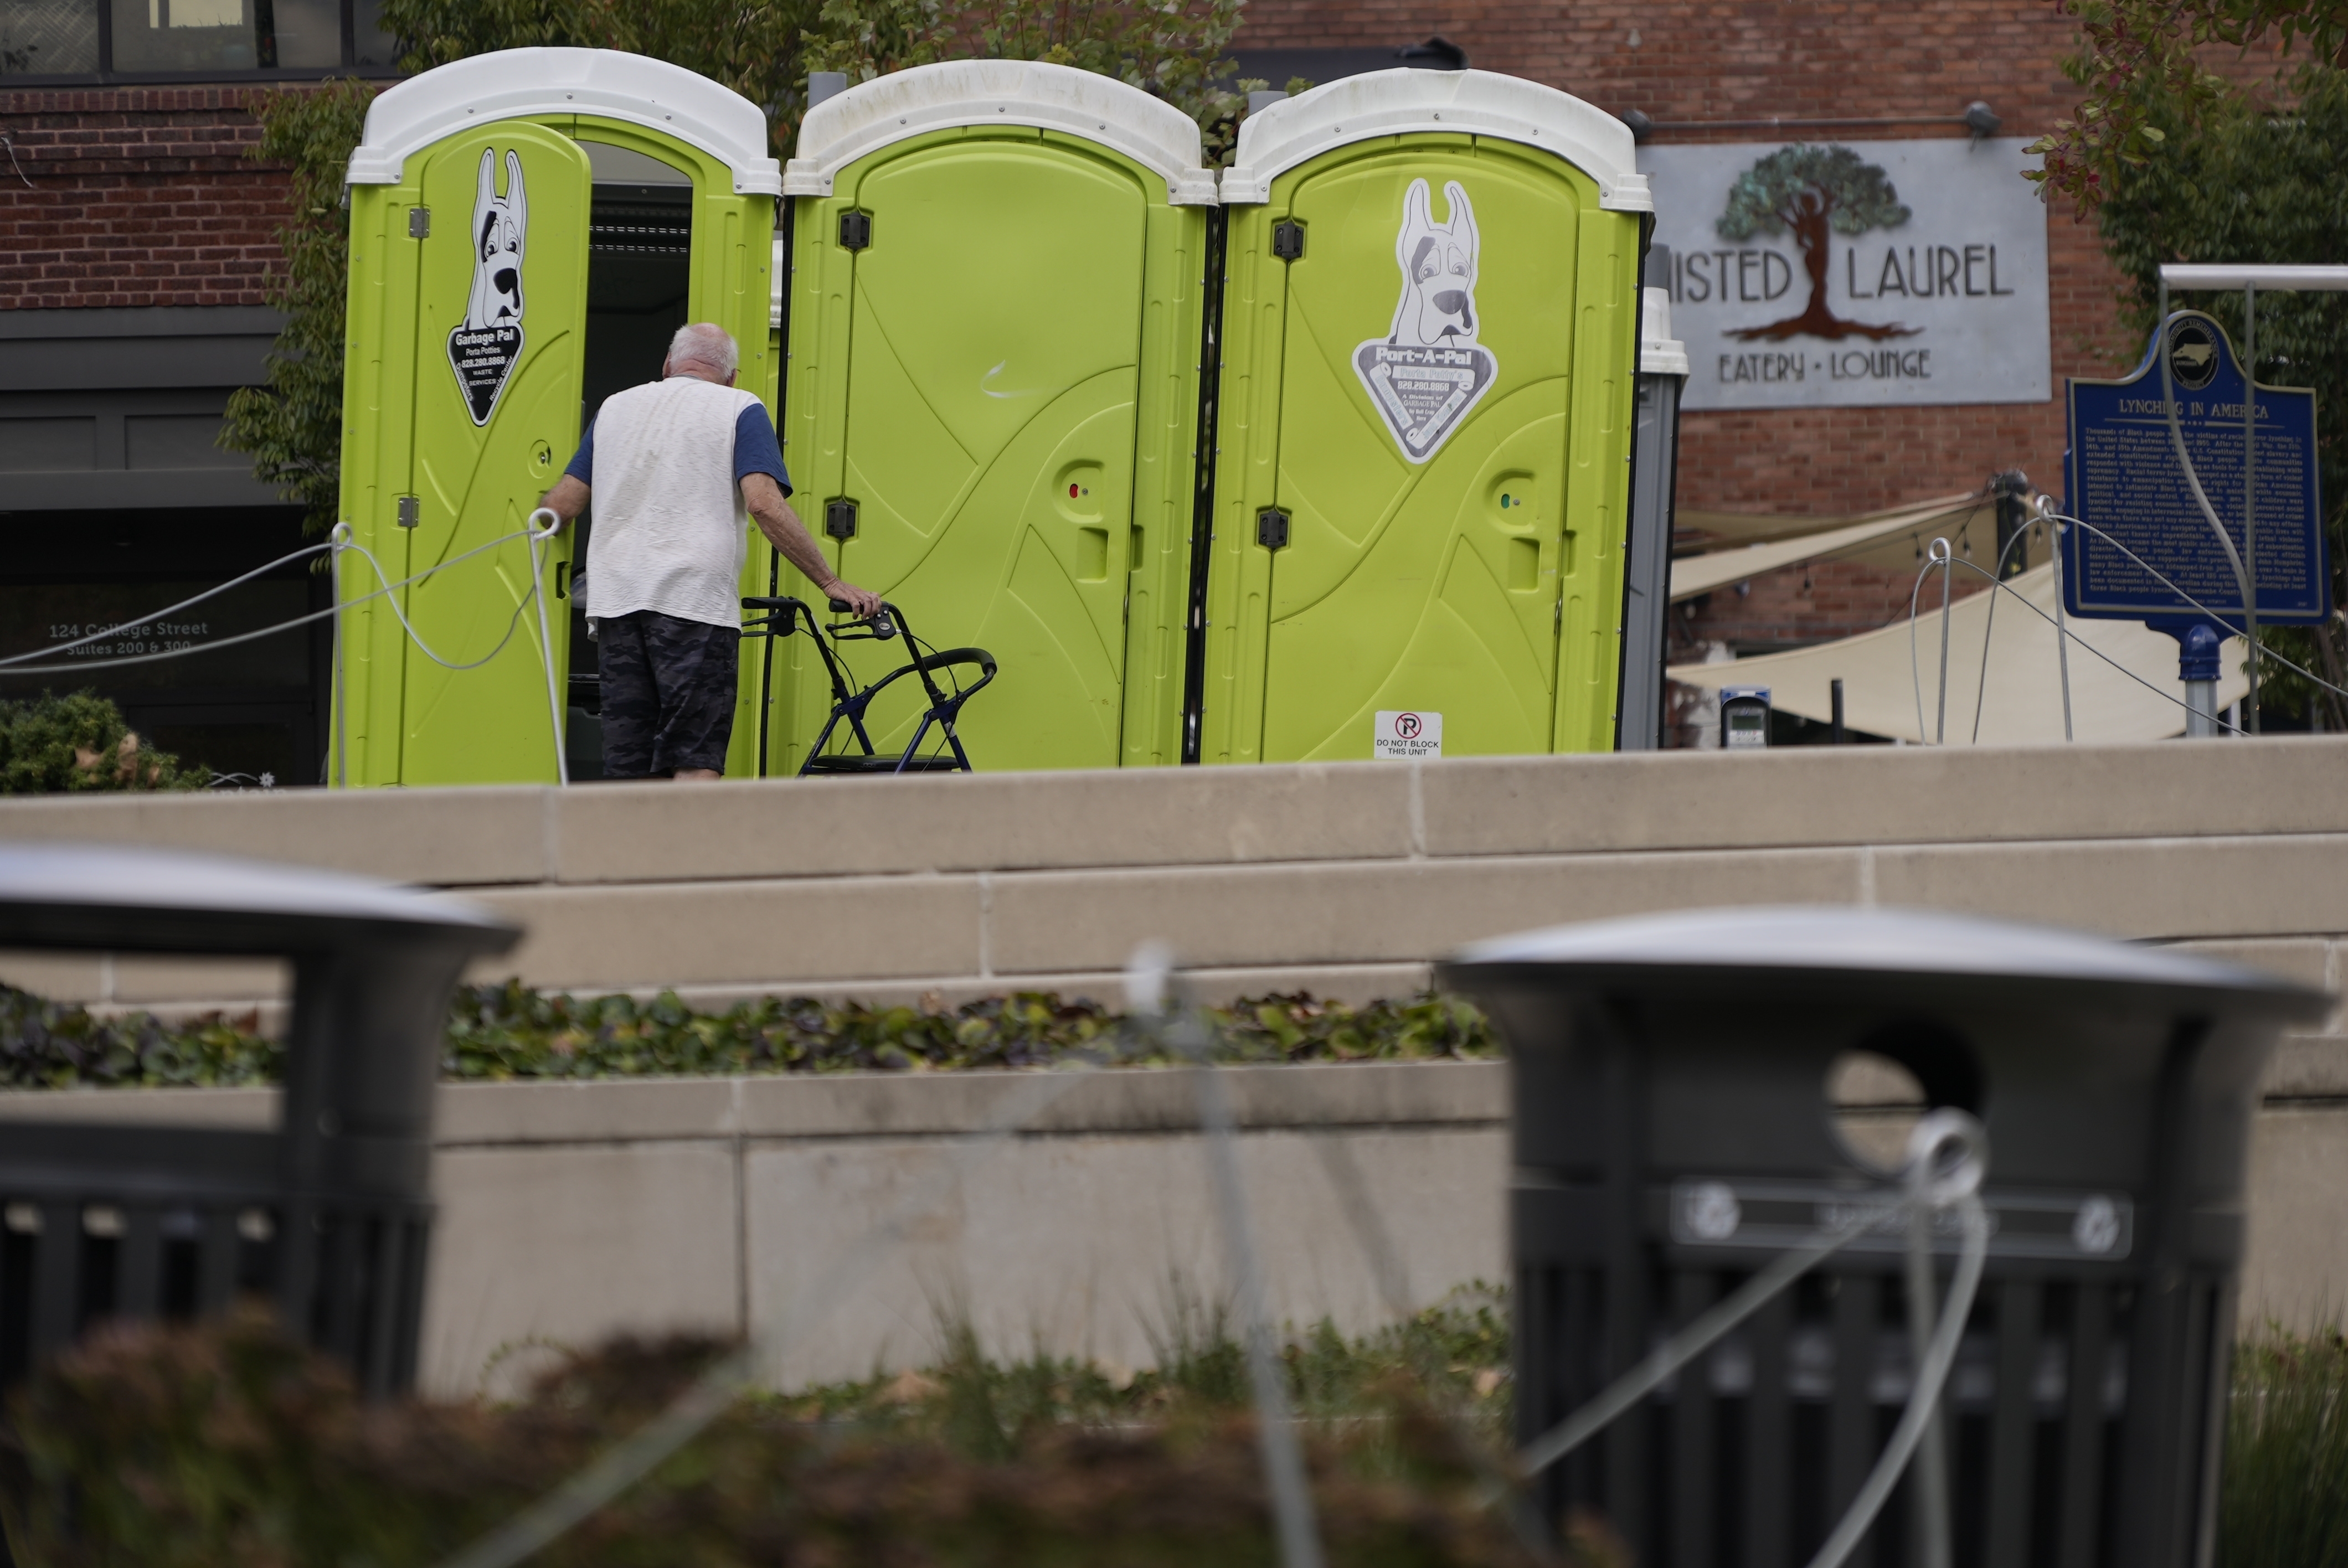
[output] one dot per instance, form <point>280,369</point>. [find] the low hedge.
<point>189,1448</point>
<point>513,1031</point>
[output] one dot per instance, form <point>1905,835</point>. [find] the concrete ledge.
<point>1345,877</point>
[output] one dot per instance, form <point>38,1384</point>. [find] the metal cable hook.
<point>1944,556</point>
<point>537,536</point>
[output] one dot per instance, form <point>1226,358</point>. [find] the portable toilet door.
<point>1430,330</point>
<point>992,391</point>
<point>527,228</point>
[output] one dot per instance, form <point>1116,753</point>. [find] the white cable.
<point>1923,1396</point>
<point>2243,583</point>
<point>314,615</point>
<point>170,609</point>
<point>2165,696</point>
<point>545,640</point>
<point>425,647</point>
<point>1948,1158</point>
<point>341,536</point>
<point>1698,1338</point>
<point>1946,554</point>
<point>2063,637</point>
<point>2258,649</point>
<point>1915,674</point>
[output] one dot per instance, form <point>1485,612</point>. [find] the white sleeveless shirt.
<point>670,532</point>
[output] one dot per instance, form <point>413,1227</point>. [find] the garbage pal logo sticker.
<point>1428,371</point>
<point>484,350</point>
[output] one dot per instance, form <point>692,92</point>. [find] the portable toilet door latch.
<point>1271,528</point>
<point>1288,240</point>
<point>839,519</point>
<point>855,230</point>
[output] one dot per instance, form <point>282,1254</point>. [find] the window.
<point>200,40</point>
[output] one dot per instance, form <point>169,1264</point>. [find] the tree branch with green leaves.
<point>2141,62</point>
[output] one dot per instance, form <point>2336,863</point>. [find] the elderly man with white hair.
<point>673,465</point>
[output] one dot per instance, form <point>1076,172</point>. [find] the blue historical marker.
<point>2125,480</point>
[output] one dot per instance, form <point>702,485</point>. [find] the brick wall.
<point>138,196</point>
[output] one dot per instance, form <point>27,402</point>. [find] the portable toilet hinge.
<point>419,223</point>
<point>1288,240</point>
<point>411,511</point>
<point>855,230</point>
<point>1271,528</point>
<point>839,519</point>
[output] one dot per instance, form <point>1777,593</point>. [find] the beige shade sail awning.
<point>1913,527</point>
<point>1723,530</point>
<point>2015,687</point>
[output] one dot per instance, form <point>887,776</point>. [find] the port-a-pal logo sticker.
<point>1403,734</point>
<point>1428,371</point>
<point>484,348</point>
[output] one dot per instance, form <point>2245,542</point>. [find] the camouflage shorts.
<point>668,693</point>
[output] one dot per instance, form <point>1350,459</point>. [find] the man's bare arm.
<point>566,499</point>
<point>788,534</point>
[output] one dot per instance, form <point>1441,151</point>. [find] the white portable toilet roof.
<point>872,115</point>
<point>1478,103</point>
<point>513,83</point>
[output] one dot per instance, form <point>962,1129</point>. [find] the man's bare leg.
<point>696,776</point>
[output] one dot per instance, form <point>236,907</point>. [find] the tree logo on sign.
<point>1814,192</point>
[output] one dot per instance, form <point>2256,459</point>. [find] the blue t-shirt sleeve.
<point>755,450</point>
<point>583,467</point>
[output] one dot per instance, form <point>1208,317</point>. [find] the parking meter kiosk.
<point>1430,339</point>
<point>991,394</point>
<point>526,230</point>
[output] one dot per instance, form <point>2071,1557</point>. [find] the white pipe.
<point>2305,279</point>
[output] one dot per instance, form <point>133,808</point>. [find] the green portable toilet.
<point>527,228</point>
<point>1430,332</point>
<point>991,396</point>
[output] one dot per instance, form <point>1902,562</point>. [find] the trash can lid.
<point>1812,941</point>
<point>131,897</point>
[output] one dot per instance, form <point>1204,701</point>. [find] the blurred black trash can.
<point>327,1217</point>
<point>1673,1133</point>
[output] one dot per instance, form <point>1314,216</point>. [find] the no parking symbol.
<point>1406,734</point>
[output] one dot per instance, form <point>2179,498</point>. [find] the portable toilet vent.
<point>1430,339</point>
<point>526,230</point>
<point>992,393</point>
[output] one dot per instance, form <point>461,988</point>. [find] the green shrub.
<point>53,745</point>
<point>44,1045</point>
<point>513,1031</point>
<point>177,1448</point>
<point>2284,1497</point>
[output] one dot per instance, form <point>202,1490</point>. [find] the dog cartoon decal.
<point>1429,370</point>
<point>484,349</point>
